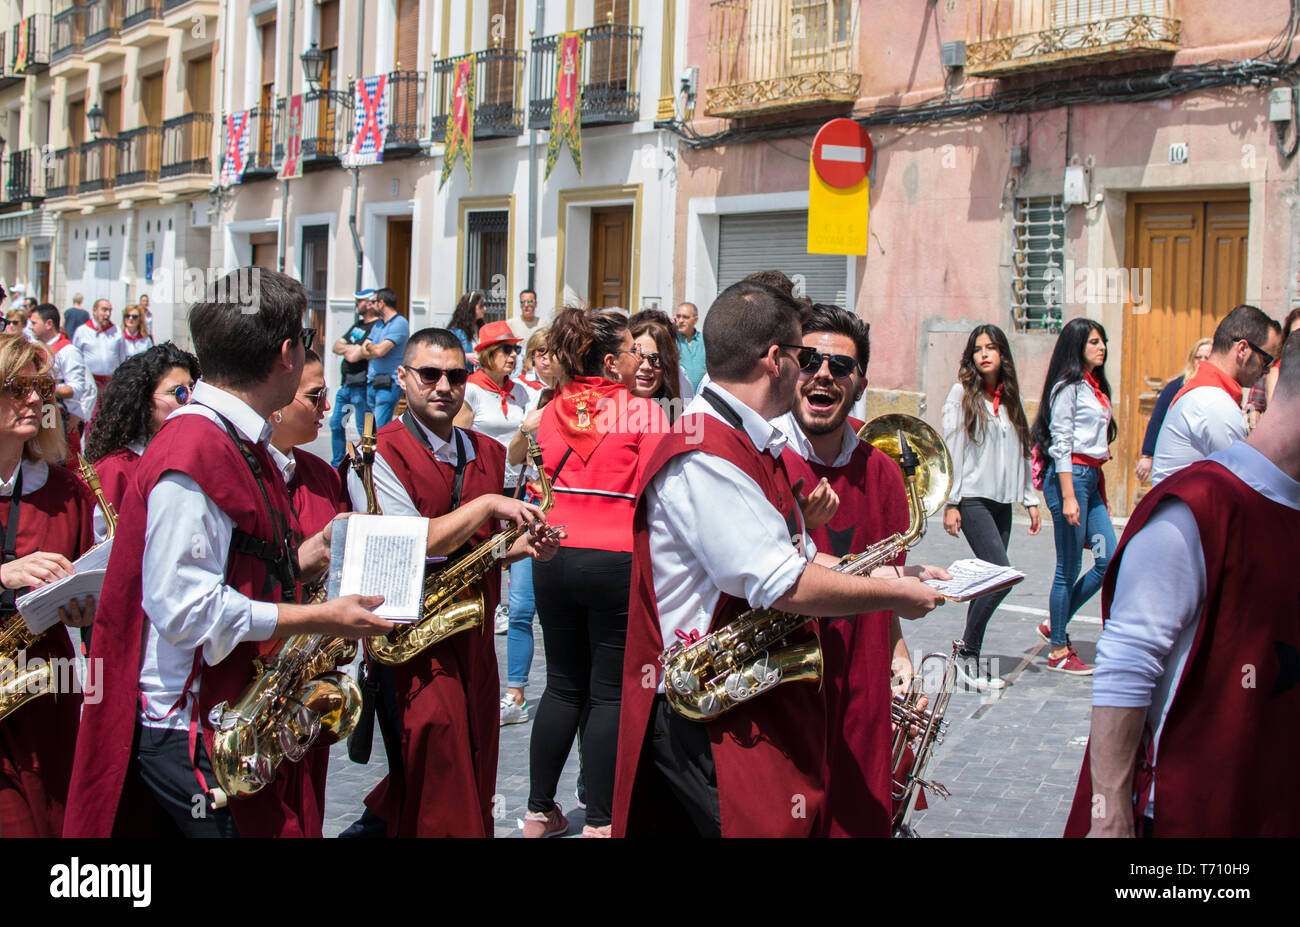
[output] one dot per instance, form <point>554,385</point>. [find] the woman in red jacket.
<point>594,436</point>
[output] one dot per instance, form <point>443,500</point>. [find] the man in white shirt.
<point>74,386</point>
<point>101,343</point>
<point>1206,414</point>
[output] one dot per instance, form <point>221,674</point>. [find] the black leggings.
<point>987,526</point>
<point>582,599</point>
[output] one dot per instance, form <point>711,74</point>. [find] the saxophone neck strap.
<point>458,481</point>
<point>728,414</point>
<point>7,597</point>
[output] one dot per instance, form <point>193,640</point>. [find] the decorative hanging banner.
<point>370,129</point>
<point>460,136</point>
<point>566,107</point>
<point>20,46</point>
<point>291,169</point>
<point>235,161</point>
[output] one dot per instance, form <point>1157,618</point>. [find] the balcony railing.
<point>7,77</point>
<point>63,173</point>
<point>139,156</point>
<point>138,12</point>
<point>326,122</point>
<point>103,21</point>
<point>610,55</point>
<point>21,182</point>
<point>31,44</point>
<point>405,95</point>
<point>260,132</point>
<point>69,33</point>
<point>498,94</point>
<point>98,165</point>
<point>766,56</point>
<point>186,145</point>
<point>1034,34</point>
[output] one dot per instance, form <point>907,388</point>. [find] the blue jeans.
<point>349,401</point>
<point>1069,590</point>
<point>519,638</point>
<point>382,402</point>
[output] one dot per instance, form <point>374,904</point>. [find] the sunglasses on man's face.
<point>180,393</point>
<point>841,365</point>
<point>1264,355</point>
<point>432,376</point>
<point>21,388</point>
<point>308,338</point>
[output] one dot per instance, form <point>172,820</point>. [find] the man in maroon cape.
<point>201,577</point>
<point>448,712</point>
<point>1196,697</point>
<point>718,530</point>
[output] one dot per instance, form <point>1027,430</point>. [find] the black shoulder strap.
<point>7,605</point>
<point>458,482</point>
<point>729,415</point>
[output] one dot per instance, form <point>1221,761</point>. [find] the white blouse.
<point>489,420</point>
<point>1079,423</point>
<point>996,467</point>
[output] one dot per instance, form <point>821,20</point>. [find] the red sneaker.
<point>1069,662</point>
<point>550,824</point>
<point>1045,632</point>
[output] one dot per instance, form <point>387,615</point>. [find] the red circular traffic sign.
<point>842,153</point>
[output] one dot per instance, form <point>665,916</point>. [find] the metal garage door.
<point>753,241</point>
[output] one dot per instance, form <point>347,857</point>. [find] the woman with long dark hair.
<point>1072,436</point>
<point>466,320</point>
<point>986,432</point>
<point>594,435</point>
<point>657,376</point>
<point>143,391</point>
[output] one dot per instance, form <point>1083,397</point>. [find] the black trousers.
<point>167,768</point>
<point>680,779</point>
<point>582,599</point>
<point>987,526</point>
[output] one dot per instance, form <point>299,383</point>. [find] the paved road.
<point>1010,761</point>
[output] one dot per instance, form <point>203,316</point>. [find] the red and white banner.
<point>291,169</point>
<point>370,128</point>
<point>235,159</point>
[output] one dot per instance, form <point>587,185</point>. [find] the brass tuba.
<point>18,687</point>
<point>451,605</point>
<point>924,726</point>
<point>714,673</point>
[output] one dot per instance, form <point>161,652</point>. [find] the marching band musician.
<point>203,571</point>
<point>757,769</point>
<point>859,653</point>
<point>45,513</point>
<point>447,695</point>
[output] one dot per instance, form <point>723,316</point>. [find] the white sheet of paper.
<point>973,577</point>
<point>40,607</point>
<point>384,555</point>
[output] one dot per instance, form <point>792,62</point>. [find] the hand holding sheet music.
<point>971,578</point>
<point>40,607</point>
<point>381,555</point>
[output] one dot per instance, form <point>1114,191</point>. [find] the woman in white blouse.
<point>134,335</point>
<point>1072,437</point>
<point>986,432</point>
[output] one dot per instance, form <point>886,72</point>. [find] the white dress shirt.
<point>1160,597</point>
<point>133,346</point>
<point>1203,420</point>
<point>391,495</point>
<point>489,419</point>
<point>712,531</point>
<point>35,475</point>
<point>183,586</point>
<point>803,446</point>
<point>996,467</point>
<point>101,350</point>
<point>68,368</point>
<point>1079,423</point>
<point>97,522</point>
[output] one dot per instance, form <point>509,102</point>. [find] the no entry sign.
<point>842,153</point>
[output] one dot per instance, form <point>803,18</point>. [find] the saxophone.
<point>18,687</point>
<point>712,674</point>
<point>925,726</point>
<point>450,604</point>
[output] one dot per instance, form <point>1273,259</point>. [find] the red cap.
<point>495,333</point>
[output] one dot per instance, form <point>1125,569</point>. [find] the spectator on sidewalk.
<point>527,323</point>
<point>75,317</point>
<point>659,376</point>
<point>383,349</point>
<point>351,401</point>
<point>465,322</point>
<point>75,389</point>
<point>690,342</point>
<point>100,343</point>
<point>135,338</point>
<point>1200,352</point>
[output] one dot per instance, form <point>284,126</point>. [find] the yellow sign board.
<point>837,217</point>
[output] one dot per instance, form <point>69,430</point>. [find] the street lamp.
<point>313,65</point>
<point>96,119</point>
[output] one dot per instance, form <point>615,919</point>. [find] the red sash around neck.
<point>577,412</point>
<point>995,395</point>
<point>1096,390</point>
<point>481,379</point>
<point>1209,375</point>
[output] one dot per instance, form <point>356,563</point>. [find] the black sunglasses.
<point>653,359</point>
<point>432,376</point>
<point>803,356</point>
<point>841,365</point>
<point>1268,358</point>
<point>308,338</point>
<point>317,397</point>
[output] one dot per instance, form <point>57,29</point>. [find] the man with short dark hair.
<point>527,321</point>
<point>690,343</point>
<point>718,530</point>
<point>74,316</point>
<point>205,569</point>
<point>354,370</point>
<point>1206,414</point>
<point>74,388</point>
<point>383,349</point>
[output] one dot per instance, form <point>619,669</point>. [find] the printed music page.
<point>971,578</point>
<point>382,555</point>
<point>40,607</point>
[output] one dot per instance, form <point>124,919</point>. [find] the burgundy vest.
<point>201,449</point>
<point>115,471</point>
<point>769,753</point>
<point>315,491</point>
<point>856,653</point>
<point>1229,744</point>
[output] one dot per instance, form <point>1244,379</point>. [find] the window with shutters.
<point>486,252</point>
<point>329,42</point>
<point>1038,264</point>
<point>266,101</point>
<point>315,272</point>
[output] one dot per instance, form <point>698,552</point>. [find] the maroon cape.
<point>37,740</point>
<point>1228,748</point>
<point>856,654</point>
<point>769,753</point>
<point>447,696</point>
<point>115,471</point>
<point>106,796</point>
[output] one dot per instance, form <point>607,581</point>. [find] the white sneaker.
<point>511,711</point>
<point>502,618</point>
<point>979,683</point>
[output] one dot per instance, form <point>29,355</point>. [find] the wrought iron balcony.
<point>498,93</point>
<point>63,173</point>
<point>765,56</point>
<point>69,33</point>
<point>98,165</point>
<point>405,96</point>
<point>1038,34</point>
<point>260,132</point>
<point>31,42</point>
<point>186,145</point>
<point>610,56</point>
<point>139,157</point>
<point>7,77</point>
<point>326,122</point>
<point>103,21</point>
<point>139,12</point>
<point>21,183</point>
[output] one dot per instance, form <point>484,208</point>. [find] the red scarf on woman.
<point>995,395</point>
<point>1096,389</point>
<point>578,412</point>
<point>481,379</point>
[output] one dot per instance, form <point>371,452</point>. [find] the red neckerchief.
<point>130,337</point>
<point>577,412</point>
<point>101,331</point>
<point>57,345</point>
<point>1096,389</point>
<point>995,395</point>
<point>480,379</point>
<point>532,384</point>
<point>1209,375</point>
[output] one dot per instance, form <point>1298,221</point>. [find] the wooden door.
<point>266,102</point>
<point>76,123</point>
<point>112,113</point>
<point>498,90</point>
<point>1196,252</point>
<point>151,100</point>
<point>406,49</point>
<point>265,252</point>
<point>611,257</point>
<point>398,277</point>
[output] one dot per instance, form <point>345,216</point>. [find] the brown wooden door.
<point>198,85</point>
<point>399,262</point>
<point>151,100</point>
<point>112,113</point>
<point>406,50</point>
<point>76,123</point>
<point>611,257</point>
<point>265,252</point>
<point>1196,251</point>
